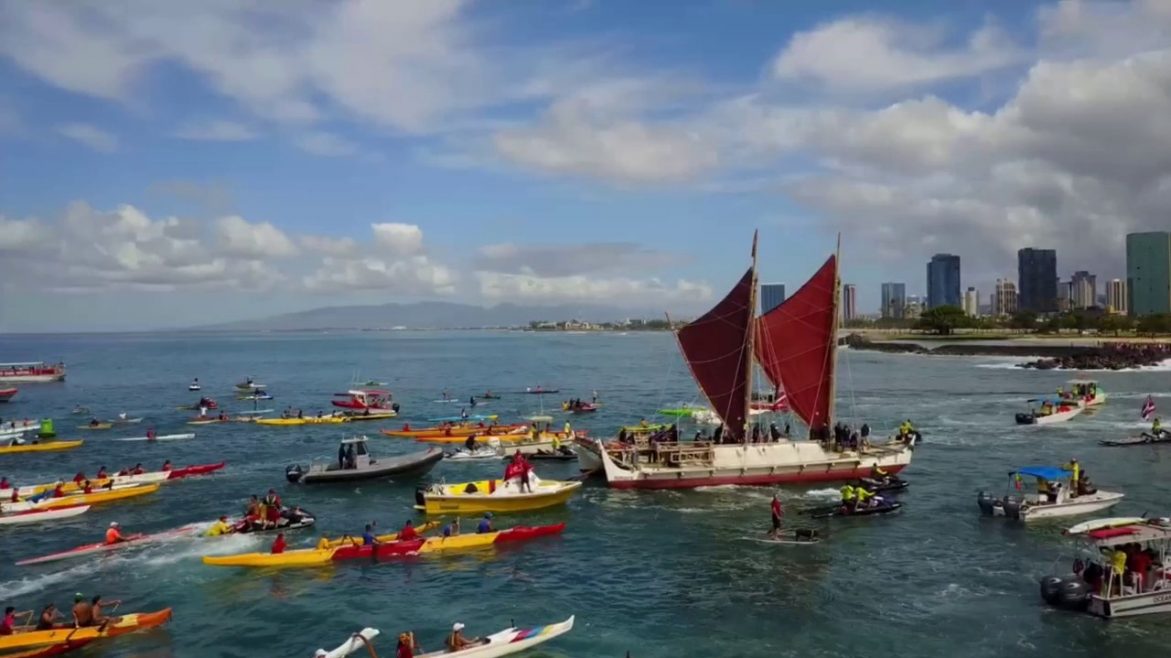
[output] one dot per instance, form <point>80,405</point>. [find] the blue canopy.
<point>1045,472</point>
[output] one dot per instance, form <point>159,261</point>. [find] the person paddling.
<point>8,625</point>
<point>113,534</point>
<point>778,513</point>
<point>408,532</point>
<point>456,641</point>
<point>83,613</point>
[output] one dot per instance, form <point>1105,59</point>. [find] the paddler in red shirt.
<point>102,475</point>
<point>59,490</point>
<point>79,478</point>
<point>87,488</point>
<point>278,545</point>
<point>778,513</point>
<point>167,465</point>
<point>113,534</point>
<point>408,532</point>
<point>15,495</point>
<point>4,483</point>
<point>138,470</point>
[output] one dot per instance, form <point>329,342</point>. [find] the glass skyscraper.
<point>771,296</point>
<point>1148,273</point>
<point>943,281</point>
<point>1037,280</point>
<point>894,301</point>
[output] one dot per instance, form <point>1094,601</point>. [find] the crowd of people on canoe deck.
<point>85,613</point>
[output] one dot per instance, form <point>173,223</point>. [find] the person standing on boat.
<point>1073,467</point>
<point>778,513</point>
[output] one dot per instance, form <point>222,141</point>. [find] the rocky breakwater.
<point>1113,356</point>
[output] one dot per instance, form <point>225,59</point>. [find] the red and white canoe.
<point>32,371</point>
<point>137,539</point>
<point>36,516</point>
<point>191,471</point>
<point>7,393</point>
<point>149,477</point>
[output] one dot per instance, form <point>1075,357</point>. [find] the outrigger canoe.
<point>39,515</point>
<point>493,496</point>
<point>504,643</point>
<point>95,498</point>
<point>31,639</point>
<point>95,426</point>
<point>160,437</point>
<point>509,440</point>
<point>131,541</point>
<point>44,446</point>
<point>457,431</point>
<point>349,549</point>
<point>294,422</point>
<point>149,477</point>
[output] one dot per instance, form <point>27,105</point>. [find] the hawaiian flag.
<point>1148,408</point>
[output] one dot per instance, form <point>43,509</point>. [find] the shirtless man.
<point>83,612</point>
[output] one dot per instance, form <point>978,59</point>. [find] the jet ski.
<point>888,484</point>
<point>883,507</point>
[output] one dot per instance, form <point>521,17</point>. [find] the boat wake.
<point>822,493</point>
<point>193,548</point>
<point>33,584</point>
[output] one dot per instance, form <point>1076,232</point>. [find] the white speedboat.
<point>1050,411</point>
<point>1052,500</point>
<point>1093,586</point>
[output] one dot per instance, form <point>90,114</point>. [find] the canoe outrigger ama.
<point>1053,498</point>
<point>1051,411</point>
<point>1122,571</point>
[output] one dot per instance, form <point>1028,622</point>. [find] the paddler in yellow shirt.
<point>220,527</point>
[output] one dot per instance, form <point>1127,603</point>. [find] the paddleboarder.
<point>778,513</point>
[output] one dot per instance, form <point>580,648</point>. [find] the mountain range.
<point>427,315</point>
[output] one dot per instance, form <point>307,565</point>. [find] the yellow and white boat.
<point>44,446</point>
<point>308,420</point>
<point>95,498</point>
<point>499,496</point>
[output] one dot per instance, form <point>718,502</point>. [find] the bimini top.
<point>1144,533</point>
<point>1044,472</point>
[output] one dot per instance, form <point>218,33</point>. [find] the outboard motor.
<point>420,499</point>
<point>395,407</point>
<point>1012,508</point>
<point>987,503</point>
<point>293,473</point>
<point>1051,588</point>
<point>1025,419</point>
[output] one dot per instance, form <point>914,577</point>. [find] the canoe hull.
<point>444,500</point>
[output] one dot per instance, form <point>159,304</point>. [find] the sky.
<point>168,163</point>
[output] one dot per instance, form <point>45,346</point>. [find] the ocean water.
<point>655,574</point>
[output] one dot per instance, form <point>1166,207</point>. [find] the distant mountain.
<point>428,315</point>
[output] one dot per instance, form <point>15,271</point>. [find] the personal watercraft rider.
<point>849,495</point>
<point>220,527</point>
<point>863,498</point>
<point>470,443</point>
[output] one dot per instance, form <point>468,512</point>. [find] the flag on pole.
<point>1148,408</point>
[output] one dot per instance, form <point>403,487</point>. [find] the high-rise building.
<point>1062,295</point>
<point>1083,290</point>
<point>1037,280</point>
<point>894,301</point>
<point>972,302</point>
<point>1148,273</point>
<point>915,306</point>
<point>1116,296</point>
<point>771,296</point>
<point>943,281</point>
<point>849,302</point>
<point>1004,300</point>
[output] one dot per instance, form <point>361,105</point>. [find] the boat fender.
<point>420,497</point>
<point>293,473</point>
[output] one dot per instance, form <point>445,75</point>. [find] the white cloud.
<point>253,241</point>
<point>872,54</point>
<point>216,131</point>
<point>414,275</point>
<point>573,139</point>
<point>326,144</point>
<point>329,246</point>
<point>22,235</point>
<point>580,288</point>
<point>400,239</point>
<point>91,136</point>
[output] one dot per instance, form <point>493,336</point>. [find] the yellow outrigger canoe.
<point>497,496</point>
<point>45,446</point>
<point>294,422</point>
<point>99,497</point>
<point>302,557</point>
<point>30,639</point>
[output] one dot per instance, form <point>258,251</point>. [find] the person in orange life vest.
<point>113,535</point>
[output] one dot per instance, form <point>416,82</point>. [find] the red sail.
<point>794,344</point>
<point>716,348</point>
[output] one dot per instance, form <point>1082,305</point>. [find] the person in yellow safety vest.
<point>220,527</point>
<point>1156,427</point>
<point>536,432</point>
<point>568,429</point>
<point>1074,467</point>
<point>848,494</point>
<point>862,496</point>
<point>557,442</point>
<point>877,473</point>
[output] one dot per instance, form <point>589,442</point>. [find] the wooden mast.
<point>833,338</point>
<point>750,343</point>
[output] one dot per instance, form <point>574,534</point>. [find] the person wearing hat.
<point>220,527</point>
<point>113,534</point>
<point>83,612</point>
<point>456,641</point>
<point>485,524</point>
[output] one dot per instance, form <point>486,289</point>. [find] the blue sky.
<point>172,164</point>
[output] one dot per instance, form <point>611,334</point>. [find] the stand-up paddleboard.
<point>787,537</point>
<point>161,437</point>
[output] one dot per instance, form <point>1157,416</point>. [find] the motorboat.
<point>7,394</point>
<point>361,399</point>
<point>32,372</point>
<point>194,385</point>
<point>355,462</point>
<point>1096,586</point>
<point>1051,411</point>
<point>494,496</point>
<point>879,507</point>
<point>1053,498</point>
<point>1146,438</point>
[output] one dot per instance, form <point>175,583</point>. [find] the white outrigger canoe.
<point>504,643</point>
<point>1094,587</point>
<point>1058,503</point>
<point>161,437</point>
<point>36,516</point>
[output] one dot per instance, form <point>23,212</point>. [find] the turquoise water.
<point>653,573</point>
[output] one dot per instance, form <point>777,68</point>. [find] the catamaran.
<point>796,346</point>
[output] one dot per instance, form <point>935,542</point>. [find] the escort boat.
<point>361,399</point>
<point>32,371</point>
<point>1052,500</point>
<point>355,462</point>
<point>1051,411</point>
